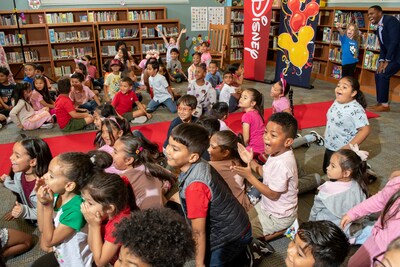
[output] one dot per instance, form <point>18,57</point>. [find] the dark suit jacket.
<point>390,49</point>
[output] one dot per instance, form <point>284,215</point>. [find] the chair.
<point>218,38</point>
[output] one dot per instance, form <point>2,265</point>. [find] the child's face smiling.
<point>351,32</point>
<point>178,155</point>
<point>344,91</point>
<point>199,74</point>
<point>76,84</point>
<point>212,68</point>
<point>39,85</point>
<point>196,59</point>
<point>55,178</point>
<point>185,112</point>
<point>106,135</point>
<point>121,161</point>
<point>298,254</point>
<point>124,87</point>
<point>174,55</point>
<point>275,139</point>
<point>20,159</point>
<point>3,78</point>
<point>152,72</point>
<point>215,151</point>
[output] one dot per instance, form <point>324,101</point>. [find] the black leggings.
<point>48,260</point>
<point>349,70</point>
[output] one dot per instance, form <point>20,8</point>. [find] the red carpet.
<point>308,116</point>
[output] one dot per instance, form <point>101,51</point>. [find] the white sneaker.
<point>47,126</point>
<point>9,120</point>
<point>319,139</point>
<point>141,119</point>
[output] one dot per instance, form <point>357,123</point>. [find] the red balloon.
<point>311,9</point>
<point>294,5</point>
<point>297,21</point>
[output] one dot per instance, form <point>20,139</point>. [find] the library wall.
<point>178,11</point>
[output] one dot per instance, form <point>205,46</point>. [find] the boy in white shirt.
<point>230,94</point>
<point>163,94</point>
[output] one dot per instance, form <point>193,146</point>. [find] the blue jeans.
<point>90,105</point>
<point>153,105</point>
<point>228,254</point>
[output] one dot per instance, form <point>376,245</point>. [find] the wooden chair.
<point>218,36</point>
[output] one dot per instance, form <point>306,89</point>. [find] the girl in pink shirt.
<point>385,229</point>
<point>205,53</point>
<point>252,120</point>
<point>41,96</point>
<point>280,102</point>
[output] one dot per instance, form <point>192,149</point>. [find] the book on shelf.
<point>236,54</point>
<point>171,31</point>
<point>8,20</point>
<point>372,41</point>
<point>371,60</point>
<point>83,18</point>
<point>62,71</point>
<point>236,42</point>
<point>335,37</point>
<point>316,67</point>
<point>274,30</point>
<point>275,15</point>
<point>275,42</point>
<point>335,54</point>
<point>326,35</point>
<point>103,16</point>
<point>237,28</point>
<point>337,72</point>
<point>142,15</point>
<point>71,52</point>
<point>160,30</point>
<point>359,19</point>
<point>54,18</point>
<point>322,15</point>
<point>2,39</point>
<point>237,15</point>
<point>118,33</point>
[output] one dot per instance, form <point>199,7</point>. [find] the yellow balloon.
<point>305,34</point>
<point>298,55</point>
<point>285,41</point>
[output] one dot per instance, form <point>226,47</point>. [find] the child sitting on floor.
<point>41,95</point>
<point>213,76</point>
<point>279,187</point>
<point>205,53</point>
<point>196,56</point>
<point>229,93</point>
<point>67,117</point>
<point>174,67</point>
<point>30,72</point>
<point>280,103</point>
<point>6,92</point>
<point>81,95</point>
<point>125,99</point>
<point>203,91</point>
<point>163,94</point>
<point>111,83</point>
<point>23,114</point>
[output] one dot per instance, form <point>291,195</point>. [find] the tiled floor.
<point>382,143</point>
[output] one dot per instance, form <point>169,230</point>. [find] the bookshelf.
<point>327,53</point>
<point>273,36</point>
<point>54,37</point>
<point>234,16</point>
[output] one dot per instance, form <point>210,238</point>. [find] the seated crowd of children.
<point>113,205</point>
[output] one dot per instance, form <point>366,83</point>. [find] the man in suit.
<point>388,33</point>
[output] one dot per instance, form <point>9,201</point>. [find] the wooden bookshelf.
<point>234,16</point>
<point>54,37</point>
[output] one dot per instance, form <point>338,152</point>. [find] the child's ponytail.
<point>146,153</point>
<point>291,101</point>
<point>359,97</point>
<point>228,140</point>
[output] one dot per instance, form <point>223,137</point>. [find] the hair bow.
<point>283,81</point>
<point>125,180</point>
<point>361,153</point>
<point>77,60</point>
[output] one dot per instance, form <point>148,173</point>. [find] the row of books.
<point>142,15</point>
<point>349,17</point>
<point>8,20</point>
<point>72,36</point>
<point>154,46</point>
<point>62,71</point>
<point>275,42</point>
<point>372,42</point>
<point>335,54</point>
<point>371,60</point>
<point>316,67</point>
<point>236,54</point>
<point>11,39</point>
<point>102,16</point>
<point>237,28</point>
<point>54,18</point>
<point>109,50</point>
<point>16,57</point>
<point>237,42</point>
<point>326,35</point>
<point>275,15</point>
<point>71,52</point>
<point>118,33</point>
<point>237,15</point>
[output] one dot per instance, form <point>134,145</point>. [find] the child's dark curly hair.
<point>159,237</point>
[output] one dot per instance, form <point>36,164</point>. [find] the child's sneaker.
<point>372,176</point>
<point>253,199</point>
<point>8,121</point>
<point>261,247</point>
<point>300,136</point>
<point>319,139</point>
<point>141,119</point>
<point>47,125</point>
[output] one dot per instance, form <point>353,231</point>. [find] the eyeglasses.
<point>378,263</point>
<point>184,109</point>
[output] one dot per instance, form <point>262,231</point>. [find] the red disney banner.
<point>257,16</point>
